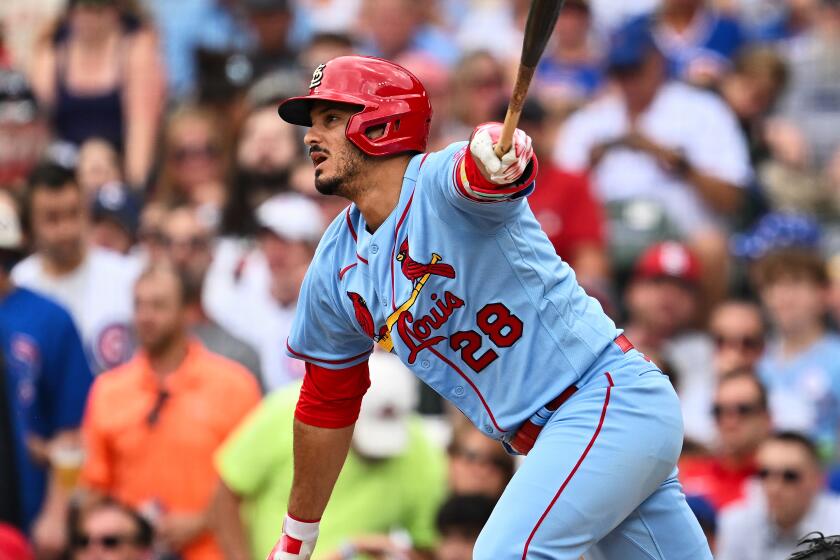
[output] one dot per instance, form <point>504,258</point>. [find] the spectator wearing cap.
<point>743,423</point>
<point>253,294</point>
<point>792,503</point>
<point>662,300</point>
<point>94,284</point>
<point>24,133</point>
<point>109,530</point>
<point>115,218</point>
<point>698,41</point>
<point>572,72</point>
<point>271,24</point>
<point>151,426</point>
<point>800,366</point>
<point>188,247</point>
<point>393,477</point>
<point>676,147</point>
<point>46,379</point>
<point>564,204</point>
<point>459,521</point>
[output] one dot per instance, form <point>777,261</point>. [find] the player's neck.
<point>384,179</point>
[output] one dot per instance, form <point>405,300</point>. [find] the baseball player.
<point>439,260</point>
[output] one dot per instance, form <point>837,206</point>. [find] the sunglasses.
<point>476,458</point>
<point>788,476</point>
<point>108,542</point>
<point>741,343</point>
<point>184,153</point>
<point>742,410</point>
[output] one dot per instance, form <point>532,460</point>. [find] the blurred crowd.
<point>157,219</point>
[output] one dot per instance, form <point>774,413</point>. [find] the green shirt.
<point>403,492</point>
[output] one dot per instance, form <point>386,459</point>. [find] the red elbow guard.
<point>331,398</point>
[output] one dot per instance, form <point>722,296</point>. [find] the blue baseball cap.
<point>629,47</point>
<point>777,230</point>
<point>117,202</point>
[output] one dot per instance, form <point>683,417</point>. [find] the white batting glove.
<point>511,166</point>
<point>297,542</point>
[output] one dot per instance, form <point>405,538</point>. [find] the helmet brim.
<point>297,110</point>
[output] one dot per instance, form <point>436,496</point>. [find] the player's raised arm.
<point>482,176</point>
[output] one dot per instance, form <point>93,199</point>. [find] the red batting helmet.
<point>386,94</point>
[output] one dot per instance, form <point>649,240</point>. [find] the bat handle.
<point>514,111</point>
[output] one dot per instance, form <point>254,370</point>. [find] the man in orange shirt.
<point>153,424</point>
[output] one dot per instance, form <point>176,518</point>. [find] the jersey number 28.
<point>499,324</point>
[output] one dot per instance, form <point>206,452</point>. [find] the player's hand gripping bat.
<point>541,21</point>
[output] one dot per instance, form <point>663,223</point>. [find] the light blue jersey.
<point>467,290</point>
<point>472,296</point>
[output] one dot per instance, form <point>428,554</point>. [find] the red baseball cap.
<point>668,260</point>
<point>13,545</point>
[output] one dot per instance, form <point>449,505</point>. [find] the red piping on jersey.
<point>361,258</point>
<point>350,225</point>
<point>422,161</point>
<point>574,470</point>
<point>333,362</point>
<point>344,270</point>
<point>474,388</point>
<point>394,248</point>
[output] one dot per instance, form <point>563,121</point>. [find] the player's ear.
<point>375,132</point>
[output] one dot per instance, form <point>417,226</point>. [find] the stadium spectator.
<point>253,294</point>
<point>270,21</point>
<point>98,164</point>
<point>743,423</point>
<point>565,206</point>
<point>738,332</point>
<point>108,530</point>
<point>194,162</point>
<point>24,133</point>
<point>662,300</point>
<point>698,41</point>
<point>572,72</point>
<point>664,142</point>
<point>268,148</point>
<point>791,505</point>
<point>99,74</point>
<point>477,464</point>
<point>92,283</point>
<point>478,87</point>
<point>390,457</point>
<point>115,218</point>
<point>13,544</point>
<point>152,425</point>
<point>794,18</point>
<point>188,244</point>
<point>46,379</point>
<point>324,46</point>
<point>390,28</point>
<point>800,366</point>
<point>459,521</point>
<point>812,102</point>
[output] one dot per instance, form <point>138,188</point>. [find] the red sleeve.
<point>583,215</point>
<point>471,184</point>
<point>331,398</point>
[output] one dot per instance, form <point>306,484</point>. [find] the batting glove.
<point>510,167</point>
<point>297,542</point>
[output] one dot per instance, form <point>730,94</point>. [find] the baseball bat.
<point>541,20</point>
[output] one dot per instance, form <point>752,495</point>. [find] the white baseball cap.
<point>292,216</point>
<point>382,428</point>
<point>11,237</point>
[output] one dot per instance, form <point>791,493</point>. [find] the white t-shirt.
<point>237,296</point>
<point>98,295</point>
<point>680,117</point>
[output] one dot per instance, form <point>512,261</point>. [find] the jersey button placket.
<point>374,248</point>
<point>458,391</point>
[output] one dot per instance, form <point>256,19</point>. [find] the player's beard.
<point>342,183</point>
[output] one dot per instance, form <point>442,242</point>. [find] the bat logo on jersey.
<point>414,270</point>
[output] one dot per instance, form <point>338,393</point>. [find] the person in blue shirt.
<point>47,379</point>
<point>698,41</point>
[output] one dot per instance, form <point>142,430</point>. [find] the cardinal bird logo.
<point>363,315</point>
<point>414,270</point>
